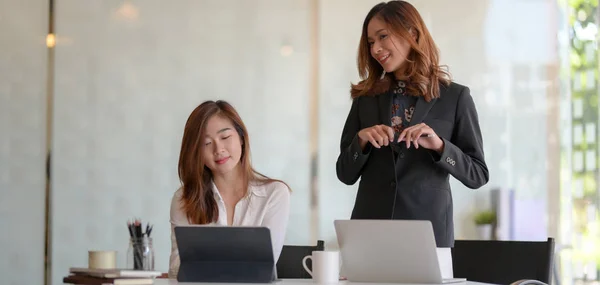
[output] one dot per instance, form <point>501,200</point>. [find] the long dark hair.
<point>198,201</point>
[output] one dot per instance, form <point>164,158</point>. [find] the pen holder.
<point>140,255</point>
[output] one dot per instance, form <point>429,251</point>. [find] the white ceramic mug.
<point>102,259</point>
<point>325,266</point>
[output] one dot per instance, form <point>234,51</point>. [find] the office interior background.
<point>105,87</point>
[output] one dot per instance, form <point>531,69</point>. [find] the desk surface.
<point>294,282</point>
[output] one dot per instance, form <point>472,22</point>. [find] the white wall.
<point>23,28</point>
<point>341,24</point>
<point>128,73</point>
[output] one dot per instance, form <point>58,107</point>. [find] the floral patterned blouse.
<point>403,106</point>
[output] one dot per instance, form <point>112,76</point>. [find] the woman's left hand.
<point>422,135</point>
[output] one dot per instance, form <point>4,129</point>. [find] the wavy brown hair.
<point>198,200</point>
<point>422,62</point>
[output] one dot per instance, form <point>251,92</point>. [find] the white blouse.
<point>265,205</point>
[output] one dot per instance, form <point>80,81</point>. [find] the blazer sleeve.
<point>463,155</point>
<point>352,158</point>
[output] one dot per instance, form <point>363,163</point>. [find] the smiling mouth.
<point>384,59</point>
<point>223,160</point>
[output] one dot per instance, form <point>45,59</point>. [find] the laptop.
<point>222,254</point>
<point>389,251</point>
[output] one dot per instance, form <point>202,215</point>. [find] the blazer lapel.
<point>385,108</point>
<point>421,110</point>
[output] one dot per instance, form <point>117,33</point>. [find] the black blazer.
<point>415,185</point>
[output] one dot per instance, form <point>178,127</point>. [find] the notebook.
<point>90,280</point>
<point>114,273</point>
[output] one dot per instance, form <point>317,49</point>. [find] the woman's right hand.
<point>378,136</point>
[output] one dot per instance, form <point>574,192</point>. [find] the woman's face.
<point>388,49</point>
<point>222,146</point>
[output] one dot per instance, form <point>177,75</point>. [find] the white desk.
<point>294,282</point>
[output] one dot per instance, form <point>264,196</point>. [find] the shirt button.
<point>393,184</point>
<point>401,155</point>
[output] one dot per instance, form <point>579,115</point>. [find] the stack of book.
<point>110,276</point>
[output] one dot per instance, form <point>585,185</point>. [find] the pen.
<point>422,136</point>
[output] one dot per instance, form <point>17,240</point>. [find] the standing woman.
<point>409,128</point>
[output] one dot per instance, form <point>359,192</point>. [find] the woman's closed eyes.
<point>223,138</point>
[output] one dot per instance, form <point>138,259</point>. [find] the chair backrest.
<point>503,262</point>
<point>289,264</point>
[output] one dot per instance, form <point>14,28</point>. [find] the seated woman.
<point>219,185</point>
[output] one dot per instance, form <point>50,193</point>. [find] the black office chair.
<point>503,262</point>
<point>289,264</point>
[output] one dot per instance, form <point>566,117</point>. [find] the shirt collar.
<point>254,188</point>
